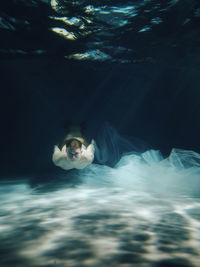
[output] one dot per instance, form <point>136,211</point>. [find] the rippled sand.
<point>64,221</point>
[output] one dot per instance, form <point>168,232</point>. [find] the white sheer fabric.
<point>125,166</point>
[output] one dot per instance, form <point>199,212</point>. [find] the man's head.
<point>73,147</point>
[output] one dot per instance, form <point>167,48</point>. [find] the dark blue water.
<point>122,31</point>
<point>134,64</point>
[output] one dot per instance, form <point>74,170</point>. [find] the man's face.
<point>74,150</point>
<point>74,154</point>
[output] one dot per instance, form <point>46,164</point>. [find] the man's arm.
<point>89,152</point>
<point>58,154</point>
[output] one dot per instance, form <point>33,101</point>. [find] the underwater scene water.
<point>136,214</point>
<point>113,31</point>
<point>144,211</point>
<point>130,71</point>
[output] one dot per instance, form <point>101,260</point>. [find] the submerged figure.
<point>73,152</point>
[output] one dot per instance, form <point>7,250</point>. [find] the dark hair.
<point>73,142</point>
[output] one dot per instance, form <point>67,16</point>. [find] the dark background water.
<point>140,72</point>
<point>135,64</point>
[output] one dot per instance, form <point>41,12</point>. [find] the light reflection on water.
<point>138,26</point>
<point>69,222</point>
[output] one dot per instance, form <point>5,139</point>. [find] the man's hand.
<point>93,142</point>
<point>56,149</point>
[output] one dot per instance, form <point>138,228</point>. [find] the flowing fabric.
<point>110,145</point>
<point>126,164</point>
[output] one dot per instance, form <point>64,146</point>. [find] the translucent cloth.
<point>125,163</point>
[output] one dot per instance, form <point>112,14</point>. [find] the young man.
<point>73,152</point>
